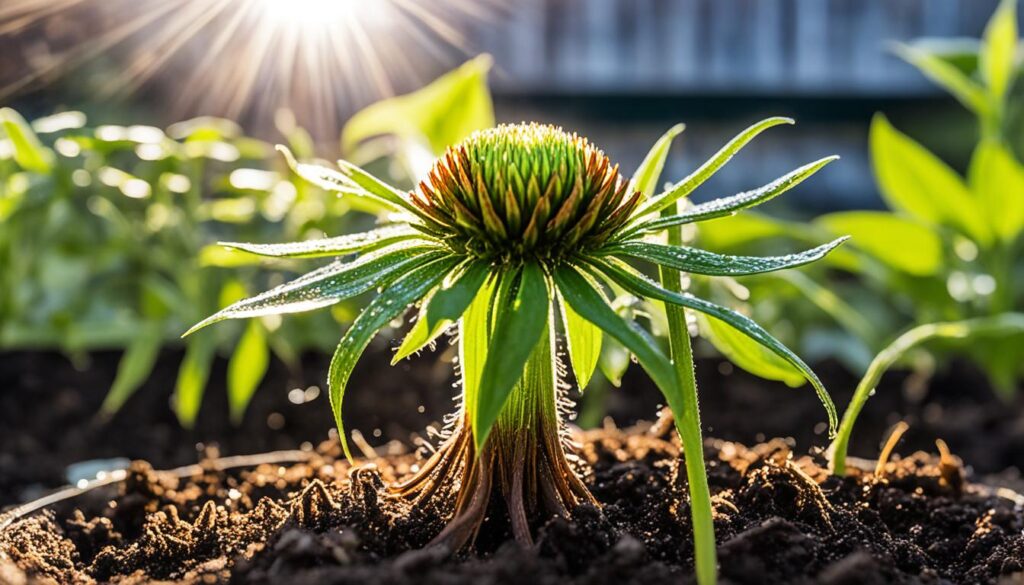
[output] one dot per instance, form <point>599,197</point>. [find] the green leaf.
<point>474,334</point>
<point>591,304</point>
<point>726,206</point>
<point>328,179</point>
<point>640,285</point>
<point>382,190</point>
<point>192,377</point>
<point>997,180</point>
<point>520,320</point>
<point>584,340</point>
<point>900,243</point>
<point>709,168</point>
<point>969,329</point>
<point>645,180</point>
<point>833,305</point>
<point>339,246</point>
<point>134,367</point>
<point>346,184</point>
<point>443,309</point>
<point>946,75</point>
<point>1002,360</point>
<point>221,257</point>
<point>440,114</point>
<point>29,153</point>
<point>744,229</point>
<point>614,361</point>
<point>997,60</point>
<point>747,353</point>
<point>697,261</point>
<point>915,181</point>
<point>388,305</point>
<point>328,285</point>
<point>246,368</point>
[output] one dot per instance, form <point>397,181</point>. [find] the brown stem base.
<point>528,467</point>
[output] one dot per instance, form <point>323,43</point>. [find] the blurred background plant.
<point>948,247</point>
<point>108,233</point>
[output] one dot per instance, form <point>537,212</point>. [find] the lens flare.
<point>316,15</point>
<point>244,59</point>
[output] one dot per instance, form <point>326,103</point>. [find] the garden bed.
<point>780,518</point>
<point>47,414</point>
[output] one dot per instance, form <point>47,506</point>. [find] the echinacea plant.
<point>517,233</point>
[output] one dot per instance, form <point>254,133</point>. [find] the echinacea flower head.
<point>526,190</point>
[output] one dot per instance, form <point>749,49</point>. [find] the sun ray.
<point>245,58</point>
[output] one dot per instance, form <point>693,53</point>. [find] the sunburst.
<point>241,58</point>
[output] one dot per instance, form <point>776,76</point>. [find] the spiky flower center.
<point>525,190</point>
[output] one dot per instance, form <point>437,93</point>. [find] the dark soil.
<point>780,519</point>
<point>48,407</point>
<point>271,526</point>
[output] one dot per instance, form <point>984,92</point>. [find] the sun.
<point>247,59</point>
<point>316,15</point>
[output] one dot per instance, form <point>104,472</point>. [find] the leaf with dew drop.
<point>391,303</point>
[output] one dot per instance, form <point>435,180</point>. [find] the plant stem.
<point>1002,324</point>
<point>523,462</point>
<point>534,393</point>
<point>705,555</point>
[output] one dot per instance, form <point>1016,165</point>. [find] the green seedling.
<point>997,326</point>
<point>517,234</point>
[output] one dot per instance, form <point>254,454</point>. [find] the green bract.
<point>516,230</point>
<point>516,192</point>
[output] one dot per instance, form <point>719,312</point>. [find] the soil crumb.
<point>780,518</point>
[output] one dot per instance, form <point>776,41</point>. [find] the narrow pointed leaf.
<point>391,303</point>
<point>709,168</point>
<point>474,332</point>
<point>640,285</point>
<point>584,339</point>
<point>645,180</point>
<point>354,181</point>
<point>997,61</point>
<point>592,305</point>
<point>998,325</point>
<point>997,180</point>
<point>915,181</point>
<point>192,377</point>
<point>339,246</point>
<point>697,261</point>
<point>518,326</point>
<point>443,309</point>
<point>748,354</point>
<point>897,241</point>
<point>381,190</point>
<point>329,179</point>
<point>730,205</point>
<point>328,285</point>
<point>967,91</point>
<point>246,368</point>
<point>134,367</point>
<point>29,152</point>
